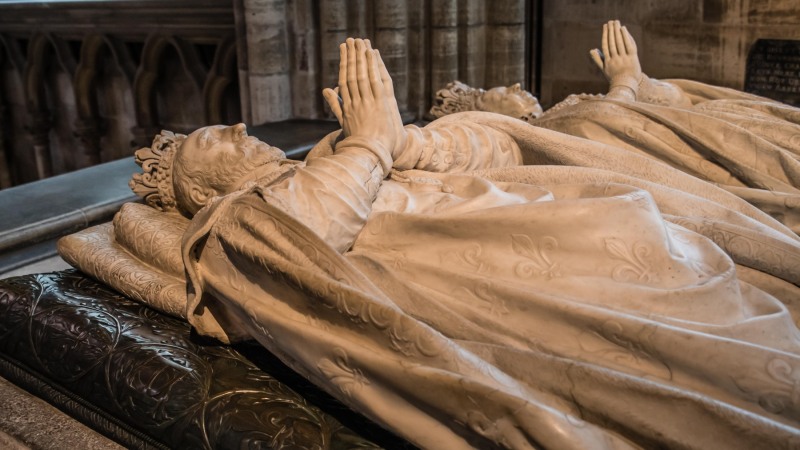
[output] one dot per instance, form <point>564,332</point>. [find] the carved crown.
<point>455,97</point>
<point>154,184</point>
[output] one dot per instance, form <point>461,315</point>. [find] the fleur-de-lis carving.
<point>484,292</point>
<point>471,257</point>
<point>635,264</point>
<point>782,372</point>
<point>347,378</point>
<point>538,260</point>
<point>776,387</point>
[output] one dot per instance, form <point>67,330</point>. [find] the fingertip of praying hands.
<point>361,77</point>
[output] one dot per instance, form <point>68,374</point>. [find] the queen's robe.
<point>746,144</point>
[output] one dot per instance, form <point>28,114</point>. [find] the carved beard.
<point>252,154</point>
<point>257,153</point>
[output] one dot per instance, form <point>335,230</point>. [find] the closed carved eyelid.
<point>202,140</point>
<point>208,138</point>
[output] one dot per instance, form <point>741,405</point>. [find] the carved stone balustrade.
<point>87,82</point>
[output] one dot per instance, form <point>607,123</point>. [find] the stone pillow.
<point>138,254</point>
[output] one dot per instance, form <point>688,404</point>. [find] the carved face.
<point>511,101</point>
<point>212,161</point>
<point>220,144</point>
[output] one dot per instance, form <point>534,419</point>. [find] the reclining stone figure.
<point>483,283</point>
<point>512,101</point>
<point>618,60</point>
<point>746,144</point>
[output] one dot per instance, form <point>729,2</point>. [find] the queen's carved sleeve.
<point>457,147</point>
<point>332,195</point>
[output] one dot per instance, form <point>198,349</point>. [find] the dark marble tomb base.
<point>146,381</point>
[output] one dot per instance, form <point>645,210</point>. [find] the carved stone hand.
<point>619,59</point>
<point>367,108</point>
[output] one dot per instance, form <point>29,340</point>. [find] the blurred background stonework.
<point>703,40</point>
<point>88,82</point>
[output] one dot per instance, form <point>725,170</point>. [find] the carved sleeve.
<point>333,195</point>
<point>659,92</point>
<point>651,90</point>
<point>457,147</point>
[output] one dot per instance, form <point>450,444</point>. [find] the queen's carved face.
<point>511,101</point>
<point>212,161</point>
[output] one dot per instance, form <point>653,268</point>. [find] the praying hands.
<point>364,102</point>
<point>619,61</point>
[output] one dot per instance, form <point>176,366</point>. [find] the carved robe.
<point>746,144</point>
<point>593,300</point>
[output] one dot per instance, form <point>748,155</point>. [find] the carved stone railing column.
<point>5,173</point>
<point>97,51</point>
<point>47,55</point>
<point>90,131</point>
<point>220,90</point>
<point>15,141</point>
<point>157,96</point>
<point>39,130</point>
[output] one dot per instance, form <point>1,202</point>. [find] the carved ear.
<point>200,196</point>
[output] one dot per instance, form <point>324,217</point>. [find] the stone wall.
<point>82,83</point>
<point>704,40</point>
<point>288,49</point>
<point>88,82</point>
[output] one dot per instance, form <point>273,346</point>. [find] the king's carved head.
<point>183,173</point>
<point>154,184</point>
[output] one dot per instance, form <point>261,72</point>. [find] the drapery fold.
<point>591,299</point>
<point>747,144</point>
<point>519,314</point>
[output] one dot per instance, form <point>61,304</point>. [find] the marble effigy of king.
<point>483,281</point>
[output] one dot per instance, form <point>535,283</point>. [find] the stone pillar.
<point>263,50</point>
<point>472,57</point>
<point>285,59</point>
<point>444,42</point>
<point>333,31</point>
<point>506,43</point>
<point>391,38</point>
<point>306,94</point>
<point>418,51</point>
<point>359,18</point>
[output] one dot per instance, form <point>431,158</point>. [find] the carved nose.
<point>238,131</point>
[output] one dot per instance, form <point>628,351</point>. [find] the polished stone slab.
<point>59,205</point>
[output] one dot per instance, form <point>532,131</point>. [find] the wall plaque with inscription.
<point>773,70</point>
